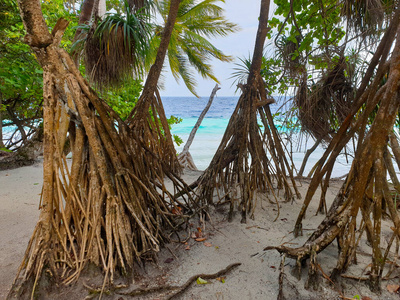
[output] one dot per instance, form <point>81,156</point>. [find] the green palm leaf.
<point>189,50</point>
<point>115,48</point>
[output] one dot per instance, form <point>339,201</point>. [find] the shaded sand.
<point>19,197</point>
<point>225,243</point>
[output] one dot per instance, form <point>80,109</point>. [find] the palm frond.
<point>115,48</point>
<point>180,69</point>
<point>196,21</point>
<point>241,70</point>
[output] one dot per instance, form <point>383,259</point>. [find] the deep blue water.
<point>191,107</point>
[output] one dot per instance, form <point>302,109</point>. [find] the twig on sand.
<point>281,276</point>
<point>180,289</point>
<point>203,276</point>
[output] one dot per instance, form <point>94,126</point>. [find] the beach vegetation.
<point>190,51</point>
<point>346,99</point>
<point>110,206</point>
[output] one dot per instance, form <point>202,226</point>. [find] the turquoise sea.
<point>210,133</point>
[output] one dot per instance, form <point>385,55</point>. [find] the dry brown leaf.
<point>187,247</point>
<point>169,260</point>
<point>207,244</point>
<point>393,288</point>
<point>177,211</point>
<point>366,298</point>
<point>201,239</point>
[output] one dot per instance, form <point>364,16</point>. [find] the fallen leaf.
<point>272,267</point>
<point>366,298</point>
<point>200,239</point>
<point>207,244</point>
<point>201,281</point>
<point>187,247</point>
<point>168,260</point>
<point>221,279</point>
<point>177,210</point>
<point>393,288</point>
<point>199,229</point>
<point>194,235</point>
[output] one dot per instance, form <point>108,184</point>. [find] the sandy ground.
<point>225,243</point>
<point>19,197</point>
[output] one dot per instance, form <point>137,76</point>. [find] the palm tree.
<point>113,47</point>
<point>190,50</point>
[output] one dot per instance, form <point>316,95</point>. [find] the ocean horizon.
<point>212,129</point>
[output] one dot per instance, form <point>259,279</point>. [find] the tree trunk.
<point>102,9</point>
<point>366,180</point>
<point>308,153</point>
<point>110,207</point>
<point>147,119</point>
<point>230,168</point>
<point>349,128</point>
<point>87,8</point>
<point>1,124</point>
<point>85,15</point>
<point>185,158</point>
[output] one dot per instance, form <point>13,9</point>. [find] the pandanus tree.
<point>131,35</point>
<point>249,157</point>
<point>110,206</point>
<point>365,191</point>
<point>114,45</point>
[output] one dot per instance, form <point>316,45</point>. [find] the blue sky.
<point>239,44</point>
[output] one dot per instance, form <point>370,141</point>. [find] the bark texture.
<point>365,191</point>
<point>241,165</point>
<point>110,207</point>
<point>185,158</point>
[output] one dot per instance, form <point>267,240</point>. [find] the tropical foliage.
<point>190,50</point>
<point>21,77</point>
<point>115,47</point>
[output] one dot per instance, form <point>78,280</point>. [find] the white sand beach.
<point>225,243</point>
